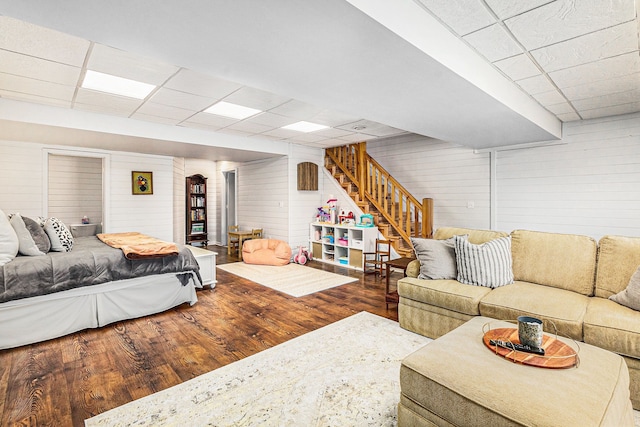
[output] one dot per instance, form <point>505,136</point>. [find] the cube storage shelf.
<point>340,244</point>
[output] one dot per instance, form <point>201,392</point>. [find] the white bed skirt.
<point>44,317</point>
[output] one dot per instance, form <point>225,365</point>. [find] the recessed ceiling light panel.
<point>234,111</point>
<point>116,85</point>
<point>305,127</point>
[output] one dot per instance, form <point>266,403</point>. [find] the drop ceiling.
<point>480,73</point>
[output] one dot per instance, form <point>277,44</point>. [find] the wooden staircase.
<point>398,215</point>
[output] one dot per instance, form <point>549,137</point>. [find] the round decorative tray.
<point>557,355</point>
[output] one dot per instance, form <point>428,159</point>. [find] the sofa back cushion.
<point>564,261</point>
<point>618,259</point>
<point>475,236</point>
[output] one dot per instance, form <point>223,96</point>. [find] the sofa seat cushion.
<point>613,327</point>
<point>447,294</point>
<point>565,309</point>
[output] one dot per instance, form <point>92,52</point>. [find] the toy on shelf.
<point>327,213</point>
<point>323,215</point>
<point>346,218</point>
<point>302,256</point>
<point>366,220</point>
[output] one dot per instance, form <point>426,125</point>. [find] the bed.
<point>93,285</point>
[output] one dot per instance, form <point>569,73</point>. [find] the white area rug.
<point>293,279</point>
<point>345,374</point>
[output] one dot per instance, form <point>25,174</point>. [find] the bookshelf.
<point>196,215</point>
<point>341,244</point>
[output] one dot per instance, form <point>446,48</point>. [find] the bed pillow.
<point>437,258</point>
<point>8,240</point>
<point>630,296</point>
<point>26,244</point>
<point>59,235</point>
<point>38,234</point>
<point>488,264</point>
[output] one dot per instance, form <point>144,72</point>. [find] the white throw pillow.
<point>27,246</point>
<point>437,258</point>
<point>488,264</point>
<point>630,296</point>
<point>60,236</point>
<point>8,240</point>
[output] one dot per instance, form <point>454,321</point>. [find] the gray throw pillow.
<point>26,245</point>
<point>630,297</point>
<point>488,264</point>
<point>38,234</point>
<point>437,258</point>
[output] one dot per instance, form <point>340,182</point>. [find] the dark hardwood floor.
<point>62,382</point>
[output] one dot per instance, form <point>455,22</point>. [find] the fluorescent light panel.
<point>116,85</point>
<point>234,111</point>
<point>305,127</point>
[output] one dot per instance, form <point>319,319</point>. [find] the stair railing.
<point>408,216</point>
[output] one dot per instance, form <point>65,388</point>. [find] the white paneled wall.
<point>150,214</point>
<point>455,177</point>
<point>263,197</point>
<point>588,185</point>
<point>303,204</point>
<point>21,170</point>
<point>75,188</point>
<point>179,202</point>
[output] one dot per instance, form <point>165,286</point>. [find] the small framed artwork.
<point>141,182</point>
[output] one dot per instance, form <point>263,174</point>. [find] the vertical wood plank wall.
<point>75,188</point>
<point>179,194</point>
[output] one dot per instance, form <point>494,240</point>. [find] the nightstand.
<point>207,262</point>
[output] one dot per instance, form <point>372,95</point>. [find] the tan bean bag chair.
<point>266,252</point>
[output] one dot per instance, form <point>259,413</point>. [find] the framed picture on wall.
<point>141,182</point>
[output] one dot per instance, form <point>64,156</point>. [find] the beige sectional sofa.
<point>563,279</point>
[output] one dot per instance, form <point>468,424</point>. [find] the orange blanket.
<point>139,246</point>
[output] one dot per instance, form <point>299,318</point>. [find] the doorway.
<point>229,216</point>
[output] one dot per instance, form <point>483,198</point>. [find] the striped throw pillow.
<point>488,264</point>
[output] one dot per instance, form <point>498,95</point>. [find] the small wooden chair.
<point>233,242</point>
<point>256,233</point>
<point>377,259</point>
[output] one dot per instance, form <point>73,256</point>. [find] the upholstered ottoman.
<point>457,381</point>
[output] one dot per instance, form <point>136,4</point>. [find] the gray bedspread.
<point>90,262</point>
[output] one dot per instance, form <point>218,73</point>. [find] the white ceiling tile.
<point>591,47</point>
<point>609,100</point>
<point>212,120</point>
<point>370,128</point>
<point>234,132</point>
<point>155,119</point>
<point>255,98</point>
<point>506,9</point>
<point>194,125</point>
<point>270,119</point>
<point>568,117</point>
<point>561,108</point>
<point>332,118</point>
<point>102,109</point>
<point>249,127</point>
<point>563,20</point>
<point>36,68</point>
<point>463,16</point>
<point>307,137</point>
<point>331,143</point>
<point>108,60</point>
<point>600,70</point>
<point>179,99</point>
<point>493,42</point>
<point>34,98</point>
<point>201,84</point>
<point>297,109</point>
<point>42,42</point>
<point>281,133</point>
<point>356,137</point>
<point>122,104</point>
<point>518,67</point>
<point>166,111</point>
<point>549,98</point>
<point>610,111</point>
<point>536,84</point>
<point>41,88</point>
<point>603,87</point>
<point>333,132</point>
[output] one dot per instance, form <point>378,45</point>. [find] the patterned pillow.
<point>26,244</point>
<point>38,234</point>
<point>630,296</point>
<point>59,235</point>
<point>488,264</point>
<point>437,258</point>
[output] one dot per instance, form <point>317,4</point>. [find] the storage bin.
<point>358,244</point>
<point>343,242</point>
<point>343,260</point>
